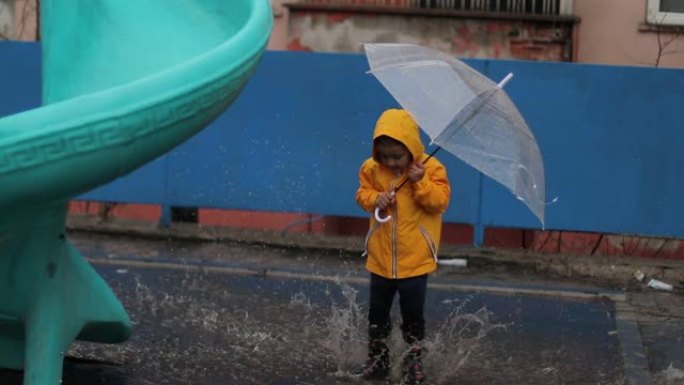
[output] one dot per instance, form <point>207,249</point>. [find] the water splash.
<point>459,336</point>
<point>447,348</point>
<point>670,376</point>
<point>346,326</point>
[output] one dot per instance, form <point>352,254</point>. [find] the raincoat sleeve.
<point>366,193</point>
<point>432,192</point>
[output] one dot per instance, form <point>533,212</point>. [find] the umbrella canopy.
<point>465,113</point>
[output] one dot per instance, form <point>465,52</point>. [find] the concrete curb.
<point>615,270</point>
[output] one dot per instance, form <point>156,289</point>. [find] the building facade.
<point>615,32</point>
<point>635,33</point>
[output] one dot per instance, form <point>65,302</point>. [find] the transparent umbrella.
<point>464,113</point>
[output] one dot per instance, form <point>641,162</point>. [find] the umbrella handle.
<point>379,219</point>
<point>377,213</point>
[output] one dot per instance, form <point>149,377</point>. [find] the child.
<point>402,252</point>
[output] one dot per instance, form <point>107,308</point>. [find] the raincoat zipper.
<point>394,242</point>
<point>395,221</point>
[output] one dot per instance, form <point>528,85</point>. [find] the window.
<point>665,12</point>
<point>539,7</point>
<point>527,7</point>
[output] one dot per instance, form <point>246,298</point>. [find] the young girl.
<point>402,252</point>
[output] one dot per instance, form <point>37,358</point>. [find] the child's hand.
<point>416,171</point>
<point>384,200</point>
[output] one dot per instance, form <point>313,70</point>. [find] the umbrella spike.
<point>505,80</point>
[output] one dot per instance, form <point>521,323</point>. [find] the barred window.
<point>530,7</point>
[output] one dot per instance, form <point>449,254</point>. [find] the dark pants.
<point>411,302</point>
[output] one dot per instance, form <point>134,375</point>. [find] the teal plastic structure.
<point>123,83</point>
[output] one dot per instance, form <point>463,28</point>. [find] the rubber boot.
<point>377,366</point>
<point>412,367</point>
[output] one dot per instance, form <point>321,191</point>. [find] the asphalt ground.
<point>223,311</point>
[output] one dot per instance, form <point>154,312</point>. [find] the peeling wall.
<point>472,38</point>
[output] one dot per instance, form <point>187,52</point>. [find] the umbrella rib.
<point>418,63</point>
<point>493,156</point>
<point>482,99</point>
<point>478,99</point>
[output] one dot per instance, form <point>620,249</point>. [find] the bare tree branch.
<point>663,44</point>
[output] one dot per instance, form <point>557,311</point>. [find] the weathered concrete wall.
<point>472,38</point>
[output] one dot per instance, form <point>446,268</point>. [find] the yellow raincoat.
<point>407,245</point>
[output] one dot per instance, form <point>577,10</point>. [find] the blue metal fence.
<point>611,138</point>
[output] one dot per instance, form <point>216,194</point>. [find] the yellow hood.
<point>399,125</point>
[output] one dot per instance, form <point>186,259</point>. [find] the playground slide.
<point>123,83</point>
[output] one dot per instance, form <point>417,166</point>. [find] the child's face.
<point>394,156</point>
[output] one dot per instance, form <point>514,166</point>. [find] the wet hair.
<point>384,140</point>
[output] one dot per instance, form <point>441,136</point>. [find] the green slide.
<point>123,83</point>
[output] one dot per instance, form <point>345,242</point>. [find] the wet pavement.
<point>222,313</point>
